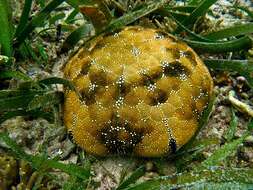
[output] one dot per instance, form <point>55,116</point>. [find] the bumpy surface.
<point>141,91</point>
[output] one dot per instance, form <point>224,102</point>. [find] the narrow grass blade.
<point>179,12</point>
<point>15,93</point>
<point>220,186</point>
<point>41,163</point>
<point>223,152</point>
<point>132,178</point>
<point>250,125</point>
<point>130,17</point>
<point>31,52</point>
<point>57,80</point>
<point>37,20</point>
<point>18,102</point>
<point>45,100</point>
<point>164,12</point>
<point>24,19</point>
<point>71,169</point>
<point>186,9</point>
<point>78,34</point>
<point>243,67</point>
<point>23,51</point>
<point>14,74</point>
<point>185,180</point>
<point>178,15</point>
<point>221,47</point>
<point>42,3</point>
<point>98,13</point>
<point>42,52</point>
<point>5,29</point>
<point>71,18</point>
<point>184,158</point>
<point>56,17</point>
<point>28,85</point>
<point>135,15</point>
<point>232,126</point>
<point>65,82</point>
<point>34,113</point>
<point>237,30</point>
<point>14,147</point>
<point>193,2</point>
<point>245,9</point>
<point>199,11</point>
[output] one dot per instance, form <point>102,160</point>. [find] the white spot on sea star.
<point>151,87</point>
<point>120,80</point>
<point>119,102</point>
<point>183,76</point>
<point>92,87</point>
<point>136,51</point>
